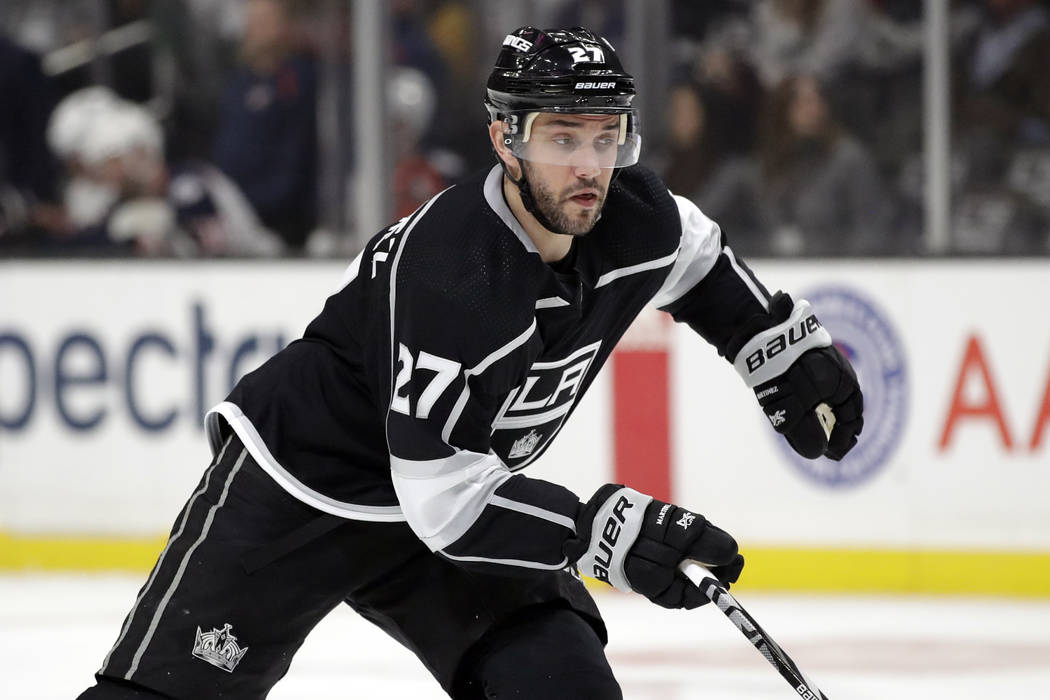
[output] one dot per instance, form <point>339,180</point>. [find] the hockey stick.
<point>717,594</point>
<point>826,417</point>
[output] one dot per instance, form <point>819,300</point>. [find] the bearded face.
<point>572,208</point>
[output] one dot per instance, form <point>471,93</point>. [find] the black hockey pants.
<point>249,570</point>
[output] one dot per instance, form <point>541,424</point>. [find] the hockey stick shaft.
<point>742,620</point>
<point>827,419</point>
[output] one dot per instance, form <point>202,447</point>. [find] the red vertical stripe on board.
<point>641,421</point>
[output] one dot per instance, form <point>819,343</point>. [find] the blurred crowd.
<point>193,128</point>
<point>798,124</point>
<point>139,147</point>
<point>198,128</point>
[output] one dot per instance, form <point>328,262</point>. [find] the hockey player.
<point>378,460</point>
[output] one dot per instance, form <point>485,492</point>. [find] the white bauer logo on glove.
<point>771,352</point>
<point>614,530</point>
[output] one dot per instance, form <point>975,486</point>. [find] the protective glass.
<point>573,139</point>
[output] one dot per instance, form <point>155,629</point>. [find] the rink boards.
<point>106,369</point>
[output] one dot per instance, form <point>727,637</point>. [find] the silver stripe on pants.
<point>182,567</point>
<point>160,560</point>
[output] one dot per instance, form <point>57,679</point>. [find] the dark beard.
<point>550,207</point>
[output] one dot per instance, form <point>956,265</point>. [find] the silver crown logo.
<point>524,446</point>
<point>219,648</point>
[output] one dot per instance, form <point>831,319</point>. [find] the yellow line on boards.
<point>33,552</point>
<point>775,569</point>
<point>767,569</point>
<point>898,571</point>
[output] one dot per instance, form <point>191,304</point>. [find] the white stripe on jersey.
<point>512,562</point>
<point>493,357</point>
<point>350,274</point>
<point>534,511</point>
<point>297,489</point>
<point>532,419</point>
<point>697,253</point>
<point>441,508</point>
<point>616,274</point>
<point>550,302</point>
<point>762,298</point>
<point>420,213</point>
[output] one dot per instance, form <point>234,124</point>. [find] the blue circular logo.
<point>862,332</point>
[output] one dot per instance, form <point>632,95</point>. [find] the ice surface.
<point>55,630</point>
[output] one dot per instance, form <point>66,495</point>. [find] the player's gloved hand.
<point>790,401</point>
<point>788,359</point>
<point>635,543</point>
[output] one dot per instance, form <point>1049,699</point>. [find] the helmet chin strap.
<point>527,200</point>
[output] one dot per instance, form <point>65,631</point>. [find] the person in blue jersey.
<point>266,141</point>
<point>379,461</point>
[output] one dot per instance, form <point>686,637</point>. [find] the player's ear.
<point>502,152</point>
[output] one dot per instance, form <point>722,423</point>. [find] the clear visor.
<point>591,140</point>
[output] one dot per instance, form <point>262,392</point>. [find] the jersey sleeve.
<point>708,287</point>
<point>456,353</point>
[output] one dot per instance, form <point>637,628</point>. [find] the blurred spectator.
<point>1008,60</point>
<point>411,100</point>
<point>870,61</point>
<point>127,200</point>
<point>85,198</point>
<point>190,209</point>
<point>1002,125</point>
<point>811,37</point>
<point>191,58</point>
<point>27,170</point>
<point>820,191</point>
<point>704,165</point>
<point>267,134</point>
<point>735,94</point>
<point>696,147</point>
<point>412,46</point>
<point>1002,81</point>
<point>829,38</point>
<point>122,151</point>
<point>453,29</point>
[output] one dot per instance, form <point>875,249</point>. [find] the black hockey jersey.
<point>452,356</point>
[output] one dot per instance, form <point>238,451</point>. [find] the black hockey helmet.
<point>569,71</point>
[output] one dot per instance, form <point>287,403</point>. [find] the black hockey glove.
<point>794,403</point>
<point>635,543</point>
<point>807,389</point>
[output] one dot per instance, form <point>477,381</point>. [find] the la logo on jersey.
<point>219,648</point>
<point>523,447</point>
<point>533,413</point>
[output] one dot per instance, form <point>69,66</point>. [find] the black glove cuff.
<point>780,307</point>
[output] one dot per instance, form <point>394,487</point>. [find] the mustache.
<point>592,186</point>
